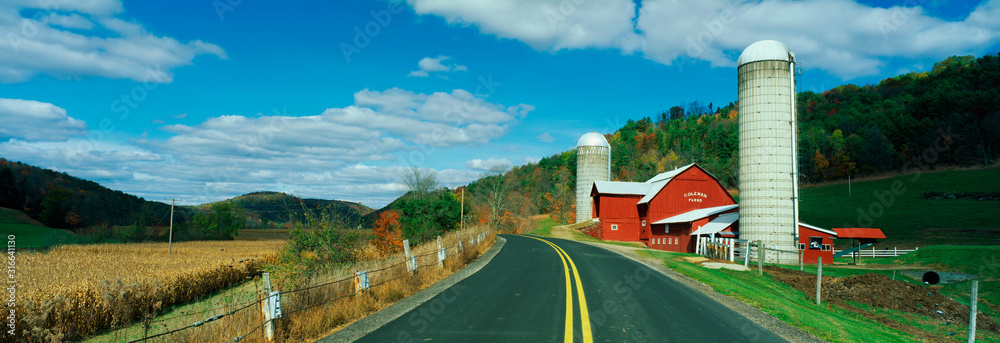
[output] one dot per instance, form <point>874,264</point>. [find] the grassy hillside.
<point>896,205</point>
<point>28,233</point>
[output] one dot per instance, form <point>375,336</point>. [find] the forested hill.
<point>59,200</point>
<point>275,207</point>
<point>949,115</point>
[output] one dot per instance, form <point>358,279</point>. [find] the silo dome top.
<point>766,50</point>
<point>593,139</point>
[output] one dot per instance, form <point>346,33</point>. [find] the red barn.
<point>670,210</point>
<point>635,211</point>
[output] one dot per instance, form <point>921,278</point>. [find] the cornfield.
<point>71,292</point>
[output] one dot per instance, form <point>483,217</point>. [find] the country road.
<point>526,291</point>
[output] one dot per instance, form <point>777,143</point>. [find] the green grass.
<point>544,227</point>
<point>791,306</point>
<point>33,236</point>
<point>29,233</point>
<point>905,217</point>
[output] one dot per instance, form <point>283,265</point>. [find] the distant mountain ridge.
<point>59,200</point>
<point>278,207</point>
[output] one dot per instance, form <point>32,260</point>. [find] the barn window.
<point>643,223</point>
<point>802,246</point>
<point>666,228</point>
<point>826,247</point>
<point>614,226</point>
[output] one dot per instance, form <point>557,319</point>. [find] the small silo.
<point>768,172</point>
<point>593,163</point>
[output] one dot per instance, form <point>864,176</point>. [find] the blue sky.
<point>205,100</point>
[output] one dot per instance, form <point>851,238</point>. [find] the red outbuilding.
<point>815,242</point>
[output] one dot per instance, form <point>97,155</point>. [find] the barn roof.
<point>648,189</point>
<point>720,223</point>
<point>666,176</point>
<point>691,216</point>
<point>654,189</point>
<point>859,233</point>
<point>625,188</point>
<point>818,229</point>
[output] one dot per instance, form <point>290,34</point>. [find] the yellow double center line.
<point>584,314</point>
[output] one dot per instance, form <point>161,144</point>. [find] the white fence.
<point>884,252</point>
<point>729,249</point>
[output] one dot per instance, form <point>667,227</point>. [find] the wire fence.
<point>274,306</point>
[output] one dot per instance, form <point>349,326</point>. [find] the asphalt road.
<point>523,295</point>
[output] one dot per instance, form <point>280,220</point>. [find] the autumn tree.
<point>820,166</point>
<point>388,233</point>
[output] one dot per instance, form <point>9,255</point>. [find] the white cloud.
<point>89,7</point>
<point>34,120</point>
<point>328,155</point>
<point>439,119</point>
<point>543,24</point>
<point>72,21</point>
<point>180,116</point>
<point>86,39</point>
<point>546,137</point>
<point>480,164</point>
<point>429,65</point>
<point>843,37</point>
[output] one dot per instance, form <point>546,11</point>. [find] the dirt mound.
<point>880,291</point>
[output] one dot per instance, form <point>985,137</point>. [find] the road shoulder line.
<point>376,320</point>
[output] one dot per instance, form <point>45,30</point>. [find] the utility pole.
<point>170,243</point>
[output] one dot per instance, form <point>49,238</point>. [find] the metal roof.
<point>818,228</point>
<point>691,216</point>
<point>720,223</point>
<point>654,189</point>
<point>666,176</point>
<point>615,187</point>
<point>593,139</point>
<point>858,233</point>
<point>661,180</point>
<point>766,50</point>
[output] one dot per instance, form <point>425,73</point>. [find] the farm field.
<point>896,205</point>
<point>29,233</point>
<point>80,290</point>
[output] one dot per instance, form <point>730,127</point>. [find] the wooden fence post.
<point>411,262</point>
<point>760,257</point>
<point>732,250</point>
<point>972,310</point>
<point>819,277</point>
<point>266,304</point>
<point>440,253</point>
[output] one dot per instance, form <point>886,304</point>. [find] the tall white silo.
<point>593,163</point>
<point>768,169</point>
